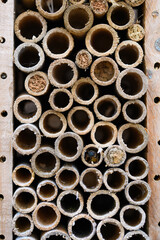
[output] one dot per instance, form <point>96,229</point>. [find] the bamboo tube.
<point>77,1</point>
<point>82,226</point>
<point>22,224</point>
<point>104,71</point>
<point>134,111</point>
<point>70,203</point>
<point>102,204</point>
<point>99,7</point>
<point>115,180</point>
<point>137,168</point>
<point>104,134</point>
<point>110,229</point>
<point>136,235</point>
<point>23,175</point>
<point>132,137</point>
<point>101,40</point>
<point>62,73</point>
<point>58,43</point>
<point>134,3</point>
<point>27,109</point>
<point>78,19</point>
<point>26,139</point>
<point>52,124</point>
<point>67,178</point>
<point>56,233</point>
<point>92,156</point>
<point>27,238</point>
<point>132,217</point>
<point>44,162</point>
<point>83,59</point>
<point>114,156</point>
<point>68,146</point>
<point>136,32</point>
<point>131,84</point>
<point>129,54</point>
<point>107,108</point>
<point>47,190</point>
<point>29,57</point>
<point>30,26</point>
<point>46,216</point>
<point>37,83</point>
<point>91,180</point>
<point>29,3</point>
<point>85,91</point>
<point>51,9</point>
<point>61,100</point>
<point>120,16</point>
<point>81,120</point>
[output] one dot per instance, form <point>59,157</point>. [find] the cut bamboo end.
<point>77,1</point>
<point>104,71</point>
<point>45,163</point>
<point>26,139</point>
<point>82,226</point>
<point>62,73</point>
<point>24,200</point>
<point>115,179</point>
<point>46,216</point>
<point>23,175</point>
<point>56,233</point>
<point>102,40</point>
<point>104,134</point>
<point>92,156</point>
<point>29,3</point>
<point>136,32</point>
<point>132,137</point>
<point>120,16</point>
<point>91,180</point>
<point>132,217</point>
<point>102,204</point>
<point>85,91</point>
<point>51,10</point>
<point>129,54</point>
<point>131,84</point>
<point>78,19</point>
<point>83,59</point>
<point>52,124</point>
<point>30,27</point>
<point>27,109</point>
<point>99,7</point>
<point>114,156</point>
<point>29,57</point>
<point>22,224</point>
<point>47,190</point>
<point>27,238</point>
<point>68,146</point>
<point>135,3</point>
<point>58,43</point>
<point>80,120</point>
<point>137,235</point>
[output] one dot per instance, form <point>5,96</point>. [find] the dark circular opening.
<point>28,57</point>
<point>137,237</point>
<point>22,224</point>
<point>67,177</point>
<point>134,110</point>
<point>78,18</point>
<point>45,162</point>
<point>101,40</point>
<point>107,108</point>
<point>102,204</point>
<point>104,134</point>
<point>132,137</point>
<point>85,91</point>
<point>52,123</point>
<point>25,200</point>
<point>2,40</point>
<point>157,177</point>
<point>63,73</point>
<point>82,228</point>
<point>90,180</point>
<point>55,237</point>
<point>137,168</point>
<point>51,6</point>
<point>23,175</point>
<point>156,99</point>
<point>3,75</point>
<point>120,16</point>
<point>61,99</point>
<point>2,236</point>
<point>91,155</point>
<point>4,1</point>
<point>80,119</point>
<point>26,139</point>
<point>2,159</point>
<point>70,203</point>
<point>132,217</point>
<point>138,192</point>
<point>1,197</point>
<point>110,231</point>
<point>104,71</point>
<point>68,146</point>
<point>58,43</point>
<point>157,65</point>
<point>47,191</point>
<point>27,109</point>
<point>46,215</point>
<point>116,180</point>
<point>4,113</point>
<point>129,54</point>
<point>131,83</point>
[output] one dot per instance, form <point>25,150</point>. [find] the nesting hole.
<point>132,137</point>
<point>156,99</point>
<point>78,18</point>
<point>4,1</point>
<point>67,177</point>
<point>23,175</point>
<point>157,65</point>
<point>134,111</point>
<point>129,54</point>
<point>51,6</point>
<point>120,16</point>
<point>138,192</point>
<point>26,139</point>
<point>27,109</point>
<point>46,215</point>
<point>137,237</point>
<point>85,91</point>
<point>2,159</point>
<point>157,177</point>
<point>107,107</point>
<point>80,119</point>
<point>25,200</point>
<point>23,224</point>
<point>61,99</point>
<point>82,228</point>
<point>104,134</point>
<point>52,123</point>
<point>90,180</point>
<point>116,180</point>
<point>104,71</point>
<point>29,57</point>
<point>2,40</point>
<point>68,146</point>
<point>102,204</point>
<point>1,197</point>
<point>63,73</point>
<point>47,190</point>
<point>70,203</point>
<point>110,231</point>
<point>45,162</point>
<point>131,83</point>
<point>132,217</point>
<point>102,40</point>
<point>2,237</point>
<point>4,113</point>
<point>137,168</point>
<point>3,75</point>
<point>91,155</point>
<point>58,43</point>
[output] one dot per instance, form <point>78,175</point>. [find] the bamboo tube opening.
<point>47,190</point>
<point>99,7</point>
<point>135,3</point>
<point>56,234</point>
<point>23,175</point>
<point>26,238</point>
<point>22,224</point>
<point>134,111</point>
<point>136,32</point>
<point>83,59</point>
<point>136,235</point>
<point>77,1</point>
<point>91,156</point>
<point>114,156</point>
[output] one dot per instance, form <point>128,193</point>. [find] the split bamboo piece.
<point>23,175</point>
<point>136,32</point>
<point>22,224</point>
<point>47,190</point>
<point>83,59</point>
<point>99,7</point>
<point>92,156</point>
<point>57,233</point>
<point>136,234</point>
<point>114,156</point>
<point>135,3</point>
<point>29,3</point>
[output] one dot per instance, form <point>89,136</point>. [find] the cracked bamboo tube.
<point>23,175</point>
<point>134,3</point>
<point>99,7</point>
<point>22,224</point>
<point>114,156</point>
<point>92,155</point>
<point>137,235</point>
<point>47,190</point>
<point>83,59</point>
<point>136,32</point>
<point>57,233</point>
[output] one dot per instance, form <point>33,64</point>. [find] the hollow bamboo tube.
<point>114,156</point>
<point>56,233</point>
<point>101,40</point>
<point>67,178</point>
<point>46,216</point>
<point>104,134</point>
<point>85,91</point>
<point>104,71</point>
<point>132,137</point>
<point>132,217</point>
<point>29,57</point>
<point>77,1</point>
<point>115,180</point>
<point>134,3</point>
<point>102,204</point>
<point>61,100</point>
<point>47,190</point>
<point>27,238</point>
<point>52,124</point>
<point>82,226</point>
<point>23,175</point>
<point>58,43</point>
<point>30,26</point>
<point>110,229</point>
<point>81,120</point>
<point>134,111</point>
<point>22,224</point>
<point>129,54</point>
<point>70,203</point>
<point>136,32</point>
<point>140,235</point>
<point>91,180</point>
<point>99,7</point>
<point>78,19</point>
<point>26,139</point>
<point>62,73</point>
<point>131,84</point>
<point>27,109</point>
<point>51,9</point>
<point>37,83</point>
<point>29,3</point>
<point>68,146</point>
<point>120,16</point>
<point>92,156</point>
<point>83,59</point>
<point>44,162</point>
<point>107,108</point>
